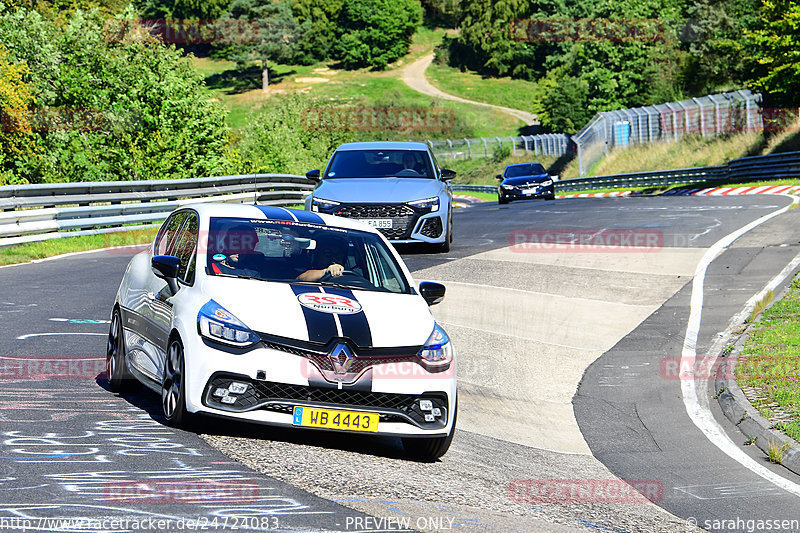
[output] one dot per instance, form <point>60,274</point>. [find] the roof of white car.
<point>264,212</point>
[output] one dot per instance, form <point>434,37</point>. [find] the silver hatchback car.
<point>396,187</point>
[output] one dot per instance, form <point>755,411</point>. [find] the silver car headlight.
<point>319,204</point>
<point>218,324</point>
<point>431,204</point>
<point>437,353</point>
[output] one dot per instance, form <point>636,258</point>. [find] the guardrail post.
<point>499,144</point>
<point>485,148</point>
<point>451,149</point>
<point>581,168</point>
<point>702,117</point>
<point>469,152</point>
<point>674,122</point>
<point>513,145</point>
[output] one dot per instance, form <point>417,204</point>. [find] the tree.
<point>775,52</point>
<point>182,9</point>
<point>111,109</point>
<point>273,33</point>
<point>17,144</point>
<point>374,33</point>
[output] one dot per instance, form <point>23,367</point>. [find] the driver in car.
<point>329,259</point>
<point>238,253</point>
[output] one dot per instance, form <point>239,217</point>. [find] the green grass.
<point>488,196</point>
<point>770,362</point>
<point>692,151</point>
<point>24,253</point>
<point>506,92</point>
<point>239,90</point>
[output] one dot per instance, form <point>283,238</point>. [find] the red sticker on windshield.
<point>329,303</point>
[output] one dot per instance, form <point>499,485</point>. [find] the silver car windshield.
<point>380,164</point>
<point>297,252</point>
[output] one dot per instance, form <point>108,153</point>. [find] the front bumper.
<point>522,194</point>
<point>278,381</point>
<point>409,225</point>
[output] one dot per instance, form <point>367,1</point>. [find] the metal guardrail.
<point>30,213</point>
<point>756,168</point>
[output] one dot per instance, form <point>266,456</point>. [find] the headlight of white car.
<point>218,324</point>
<point>318,204</point>
<point>437,353</point>
<point>431,204</point>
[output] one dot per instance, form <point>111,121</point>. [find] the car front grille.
<point>403,217</point>
<point>282,397</point>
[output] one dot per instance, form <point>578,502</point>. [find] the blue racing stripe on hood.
<point>355,326</point>
<point>321,326</point>
<point>308,216</point>
<point>276,213</point>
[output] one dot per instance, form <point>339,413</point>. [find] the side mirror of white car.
<point>167,267</point>
<point>432,293</point>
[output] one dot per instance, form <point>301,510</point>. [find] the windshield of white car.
<point>525,170</point>
<point>302,253</point>
<point>380,164</point>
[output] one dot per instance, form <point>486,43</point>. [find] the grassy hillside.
<point>240,89</point>
<point>692,151</point>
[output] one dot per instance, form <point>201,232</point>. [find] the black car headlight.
<point>318,204</point>
<point>428,204</point>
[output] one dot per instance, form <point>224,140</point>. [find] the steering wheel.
<point>349,277</point>
<point>409,172</point>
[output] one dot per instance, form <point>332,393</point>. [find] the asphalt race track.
<point>561,352</point>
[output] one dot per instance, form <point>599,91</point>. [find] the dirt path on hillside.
<point>414,76</point>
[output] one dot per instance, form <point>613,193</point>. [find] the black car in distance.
<point>524,181</point>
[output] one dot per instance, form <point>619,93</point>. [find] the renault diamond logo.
<point>341,358</point>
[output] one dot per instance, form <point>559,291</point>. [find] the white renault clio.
<point>288,318</point>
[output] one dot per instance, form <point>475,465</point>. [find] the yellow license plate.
<point>334,419</point>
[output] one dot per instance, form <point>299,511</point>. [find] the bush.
<point>111,108</point>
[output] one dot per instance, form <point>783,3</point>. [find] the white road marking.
<point>31,335</point>
<point>701,415</point>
